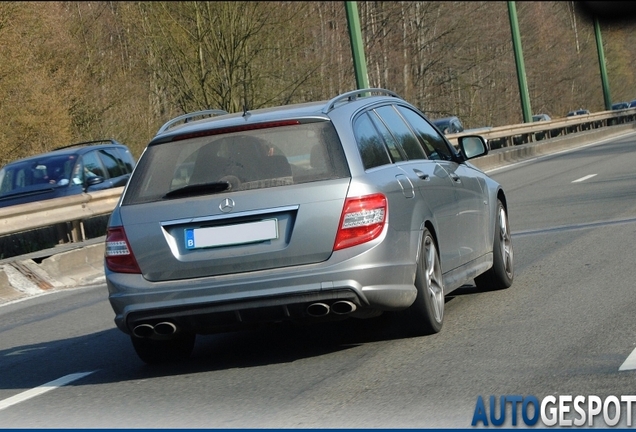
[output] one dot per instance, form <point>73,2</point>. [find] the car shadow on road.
<point>287,342</point>
<point>110,357</point>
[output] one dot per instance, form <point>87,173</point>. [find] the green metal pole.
<point>601,61</point>
<point>521,70</point>
<point>357,47</point>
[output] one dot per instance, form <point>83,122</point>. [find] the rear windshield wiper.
<point>198,189</point>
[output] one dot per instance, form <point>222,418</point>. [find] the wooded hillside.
<point>78,71</point>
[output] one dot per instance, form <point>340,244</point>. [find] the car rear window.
<point>255,159</point>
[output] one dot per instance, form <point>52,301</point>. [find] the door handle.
<point>421,175</point>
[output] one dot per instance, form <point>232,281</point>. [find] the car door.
<point>435,188</point>
<point>469,185</point>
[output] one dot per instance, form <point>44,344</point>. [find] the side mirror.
<point>91,181</point>
<point>472,146</point>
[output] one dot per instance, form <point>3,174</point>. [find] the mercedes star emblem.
<point>227,205</point>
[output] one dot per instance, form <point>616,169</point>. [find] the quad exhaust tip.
<point>166,328</point>
<point>143,330</point>
<point>341,307</point>
<point>147,330</point>
<point>318,309</point>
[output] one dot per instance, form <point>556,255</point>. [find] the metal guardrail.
<point>507,136</point>
<point>68,213</point>
<point>73,209</point>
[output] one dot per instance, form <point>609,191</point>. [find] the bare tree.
<point>72,71</point>
<point>223,54</point>
<point>32,99</point>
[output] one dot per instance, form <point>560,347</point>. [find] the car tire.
<point>501,274</point>
<point>157,351</point>
<point>426,314</point>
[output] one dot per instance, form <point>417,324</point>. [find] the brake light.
<point>232,129</point>
<point>119,257</point>
<point>362,220</point>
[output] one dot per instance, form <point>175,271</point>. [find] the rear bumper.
<point>211,304</point>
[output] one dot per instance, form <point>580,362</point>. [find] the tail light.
<point>118,255</point>
<point>362,220</point>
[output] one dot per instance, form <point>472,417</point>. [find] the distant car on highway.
<point>632,104</point>
<point>577,112</point>
<point>319,211</point>
<point>449,125</point>
<point>71,170</point>
<point>540,117</point>
<point>620,105</point>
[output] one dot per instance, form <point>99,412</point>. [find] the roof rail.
<point>189,116</point>
<point>353,95</point>
<point>85,143</point>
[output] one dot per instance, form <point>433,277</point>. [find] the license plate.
<point>252,232</point>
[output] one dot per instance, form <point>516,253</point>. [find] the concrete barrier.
<point>82,263</point>
<point>24,277</point>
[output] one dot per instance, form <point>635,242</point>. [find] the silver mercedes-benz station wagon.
<point>318,211</point>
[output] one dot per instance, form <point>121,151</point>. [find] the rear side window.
<point>370,143</point>
<point>254,159</point>
<point>118,161</point>
<point>111,161</point>
<point>389,139</point>
<point>126,159</point>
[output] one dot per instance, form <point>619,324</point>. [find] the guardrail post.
<point>77,231</point>
<point>62,233</point>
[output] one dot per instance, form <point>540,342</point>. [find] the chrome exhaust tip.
<point>343,307</point>
<point>165,328</point>
<point>143,330</point>
<point>318,309</point>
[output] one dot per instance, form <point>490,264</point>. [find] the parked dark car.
<point>449,125</point>
<point>577,112</point>
<point>319,211</point>
<point>620,105</point>
<point>632,104</point>
<point>82,167</point>
<point>540,117</point>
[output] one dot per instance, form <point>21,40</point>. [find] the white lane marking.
<point>21,397</point>
<point>584,178</point>
<point>630,362</point>
<point>22,351</point>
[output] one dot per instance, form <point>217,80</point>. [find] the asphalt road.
<point>565,327</point>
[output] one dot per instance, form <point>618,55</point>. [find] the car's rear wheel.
<point>426,314</point>
<point>501,274</point>
<point>156,351</point>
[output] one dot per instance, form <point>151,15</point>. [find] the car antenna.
<point>245,113</point>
